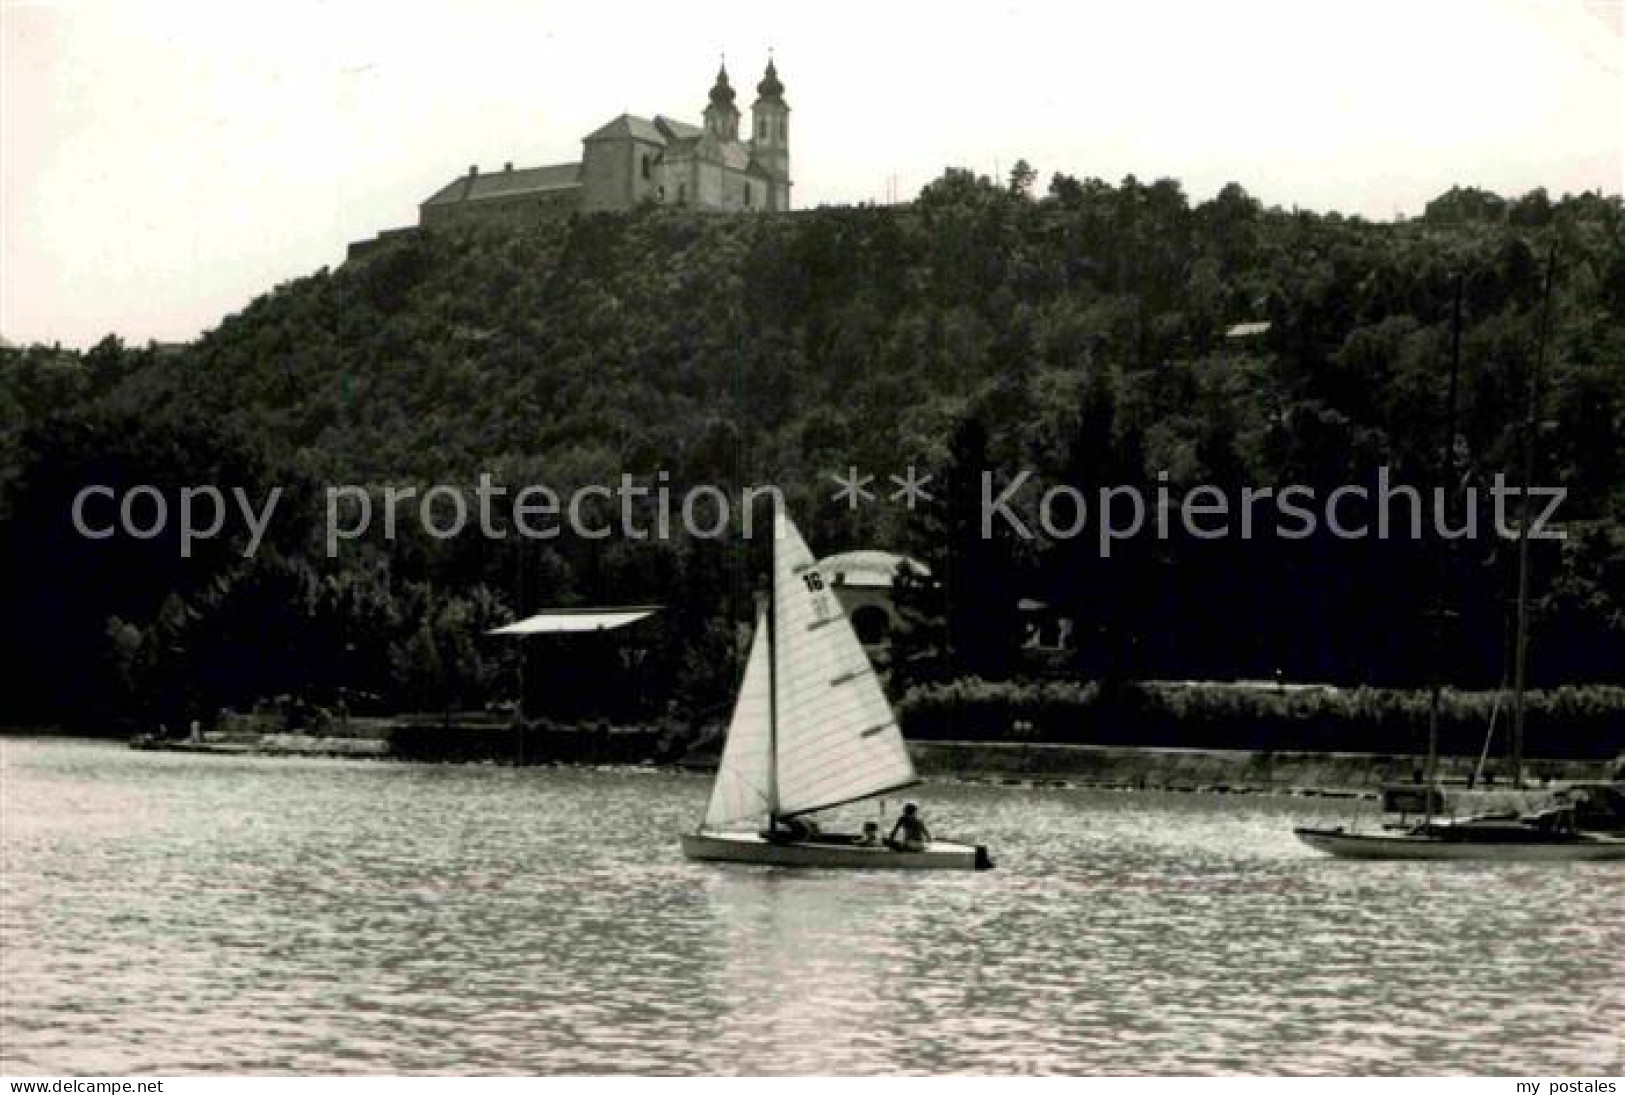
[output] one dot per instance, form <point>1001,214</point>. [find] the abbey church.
<point>631,160</point>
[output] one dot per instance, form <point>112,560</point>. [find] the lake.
<point>168,913</point>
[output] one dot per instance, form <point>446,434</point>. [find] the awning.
<point>566,621</point>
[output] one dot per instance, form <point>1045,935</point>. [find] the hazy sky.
<point>165,162</point>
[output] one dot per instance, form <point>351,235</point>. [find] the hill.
<point>1079,335</point>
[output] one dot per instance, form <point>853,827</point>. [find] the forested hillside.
<point>1078,333</point>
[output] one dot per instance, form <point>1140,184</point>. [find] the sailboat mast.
<point>773,676</point>
<point>1531,405</point>
<point>1447,463</point>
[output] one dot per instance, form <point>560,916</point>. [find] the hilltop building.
<point>630,161</point>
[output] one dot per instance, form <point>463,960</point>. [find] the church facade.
<point>631,161</point>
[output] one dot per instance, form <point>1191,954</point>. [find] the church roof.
<point>672,134</point>
<point>730,154</point>
<point>722,92</point>
<point>628,125</point>
<point>507,183</point>
<point>675,130</point>
<point>770,87</point>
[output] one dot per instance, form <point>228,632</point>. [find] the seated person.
<point>915,834</point>
<point>1557,817</point>
<point>792,830</point>
<point>870,837</point>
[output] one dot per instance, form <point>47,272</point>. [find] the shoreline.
<point>1240,770</point>
<point>1103,767</point>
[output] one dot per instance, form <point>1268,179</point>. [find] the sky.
<point>163,163</point>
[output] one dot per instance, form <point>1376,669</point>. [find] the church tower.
<point>721,116</point>
<point>770,145</point>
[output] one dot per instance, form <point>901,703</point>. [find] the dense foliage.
<point>1079,335</point>
<point>1572,722</point>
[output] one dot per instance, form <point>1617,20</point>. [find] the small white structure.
<point>862,581</point>
<point>569,621</point>
<point>1255,329</point>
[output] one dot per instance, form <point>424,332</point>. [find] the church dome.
<point>770,88</point>
<point>722,92</point>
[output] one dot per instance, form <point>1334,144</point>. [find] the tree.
<point>1022,177</point>
<point>1532,210</point>
<point>960,618</point>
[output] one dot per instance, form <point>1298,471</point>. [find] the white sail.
<point>837,739</point>
<point>742,797</point>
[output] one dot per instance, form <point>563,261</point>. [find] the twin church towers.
<point>632,160</point>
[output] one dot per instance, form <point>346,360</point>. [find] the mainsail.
<point>837,740</point>
<point>741,798</point>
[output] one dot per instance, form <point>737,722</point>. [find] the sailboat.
<point>811,730</point>
<point>1581,822</point>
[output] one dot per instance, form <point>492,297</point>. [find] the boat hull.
<point>939,855</point>
<point>1347,845</point>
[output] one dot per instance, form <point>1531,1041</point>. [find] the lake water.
<point>172,914</point>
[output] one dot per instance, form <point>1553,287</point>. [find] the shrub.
<point>1582,721</point>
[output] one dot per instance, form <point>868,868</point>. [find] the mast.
<point>773,676</point>
<point>519,707</point>
<point>1447,461</point>
<point>1531,405</point>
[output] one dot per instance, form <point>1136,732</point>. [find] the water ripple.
<point>177,914</point>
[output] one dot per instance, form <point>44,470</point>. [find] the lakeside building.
<point>863,581</point>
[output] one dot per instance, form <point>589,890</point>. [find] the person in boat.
<point>1559,814</point>
<point>792,830</point>
<point>912,826</point>
<point>870,837</point>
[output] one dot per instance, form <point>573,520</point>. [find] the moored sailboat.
<point>1493,838</point>
<point>811,730</point>
<point>1581,823</point>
